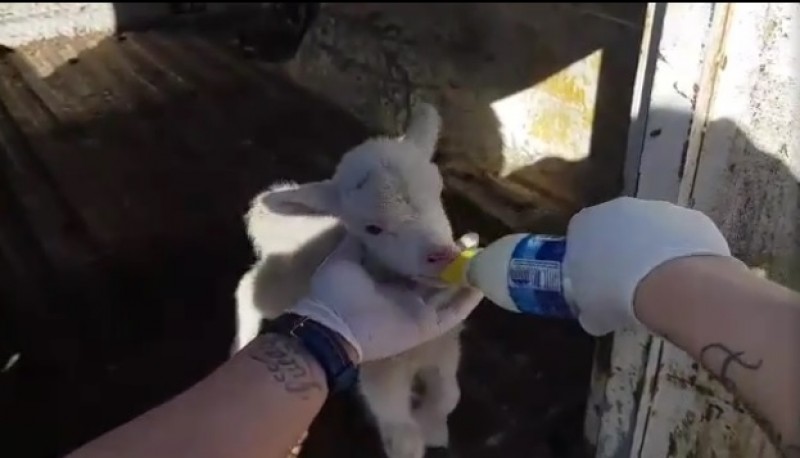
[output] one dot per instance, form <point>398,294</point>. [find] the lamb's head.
<point>387,192</point>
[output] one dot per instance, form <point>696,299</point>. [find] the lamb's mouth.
<point>379,272</point>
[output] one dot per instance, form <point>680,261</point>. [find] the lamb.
<point>386,193</point>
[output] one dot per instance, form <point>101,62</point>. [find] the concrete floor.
<point>128,162</point>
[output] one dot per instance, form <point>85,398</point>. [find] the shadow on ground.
<point>127,170</point>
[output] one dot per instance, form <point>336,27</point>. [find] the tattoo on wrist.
<point>287,362</point>
<point>714,351</point>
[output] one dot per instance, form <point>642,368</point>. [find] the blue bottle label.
<point>535,279</point>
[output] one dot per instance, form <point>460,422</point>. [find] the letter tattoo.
<point>287,362</point>
<point>730,356</point>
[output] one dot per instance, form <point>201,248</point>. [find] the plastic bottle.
<point>519,272</point>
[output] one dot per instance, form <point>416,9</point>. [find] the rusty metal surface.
<point>126,165</point>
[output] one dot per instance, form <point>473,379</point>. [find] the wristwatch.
<point>323,344</point>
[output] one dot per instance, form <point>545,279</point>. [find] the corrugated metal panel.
<point>740,164</point>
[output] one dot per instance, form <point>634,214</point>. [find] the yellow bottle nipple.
<point>455,272</point>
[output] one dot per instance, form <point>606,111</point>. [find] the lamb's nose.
<point>441,255</point>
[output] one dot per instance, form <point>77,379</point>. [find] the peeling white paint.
<point>677,73</point>
<point>741,167</point>
<point>670,68</point>
<point>22,23</point>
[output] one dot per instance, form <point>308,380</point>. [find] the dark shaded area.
<point>278,30</point>
<point>125,176</point>
<point>270,31</point>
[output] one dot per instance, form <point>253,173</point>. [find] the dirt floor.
<point>126,169</point>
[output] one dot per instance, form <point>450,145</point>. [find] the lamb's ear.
<point>317,198</point>
<point>423,129</point>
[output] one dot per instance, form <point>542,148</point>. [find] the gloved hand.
<point>611,247</point>
<point>377,319</point>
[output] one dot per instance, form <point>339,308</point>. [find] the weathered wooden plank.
<point>746,179</point>
<point>729,147</point>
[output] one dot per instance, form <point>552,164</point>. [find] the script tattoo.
<point>715,350</point>
<point>287,363</point>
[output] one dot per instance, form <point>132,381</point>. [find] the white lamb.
<point>386,192</point>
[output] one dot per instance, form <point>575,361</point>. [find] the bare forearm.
<point>744,329</point>
<point>255,405</point>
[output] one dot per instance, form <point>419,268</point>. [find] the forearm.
<point>255,405</point>
<point>744,329</point>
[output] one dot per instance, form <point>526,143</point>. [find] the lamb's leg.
<point>440,375</point>
<point>386,387</point>
<point>248,316</point>
<point>442,392</point>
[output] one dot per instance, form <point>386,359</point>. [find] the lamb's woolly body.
<point>387,182</point>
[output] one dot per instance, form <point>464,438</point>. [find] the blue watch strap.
<point>323,344</point>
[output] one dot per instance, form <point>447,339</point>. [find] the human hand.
<point>377,320</point>
<point>611,247</point>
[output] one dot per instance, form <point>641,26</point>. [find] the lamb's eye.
<point>373,229</point>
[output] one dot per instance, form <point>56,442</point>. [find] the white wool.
<point>385,192</point>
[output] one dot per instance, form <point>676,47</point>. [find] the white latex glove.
<point>611,247</point>
<point>377,319</point>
